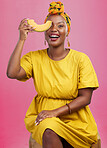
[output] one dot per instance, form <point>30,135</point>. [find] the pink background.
<point>88,35</point>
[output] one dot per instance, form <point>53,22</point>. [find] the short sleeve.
<point>87,76</point>
<point>26,64</point>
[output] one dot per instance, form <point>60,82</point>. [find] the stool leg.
<point>98,145</point>
<point>33,143</point>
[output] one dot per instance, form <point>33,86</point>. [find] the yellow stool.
<point>34,144</point>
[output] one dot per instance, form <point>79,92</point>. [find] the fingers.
<point>44,114</point>
<point>23,22</point>
<point>25,26</point>
<point>25,19</point>
<point>37,122</point>
<point>40,117</point>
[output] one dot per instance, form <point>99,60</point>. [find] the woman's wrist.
<point>62,110</point>
<point>21,40</point>
<point>69,109</point>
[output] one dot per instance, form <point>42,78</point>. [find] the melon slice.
<point>40,28</point>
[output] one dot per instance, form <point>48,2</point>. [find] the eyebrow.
<point>61,22</point>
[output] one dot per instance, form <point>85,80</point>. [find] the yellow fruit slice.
<point>40,28</point>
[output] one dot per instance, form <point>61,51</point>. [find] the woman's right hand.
<point>24,29</point>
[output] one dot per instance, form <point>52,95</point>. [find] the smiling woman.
<point>59,115</point>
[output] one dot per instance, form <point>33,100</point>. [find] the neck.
<point>56,51</point>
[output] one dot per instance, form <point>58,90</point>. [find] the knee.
<point>48,133</point>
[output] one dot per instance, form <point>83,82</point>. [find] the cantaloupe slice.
<point>39,28</point>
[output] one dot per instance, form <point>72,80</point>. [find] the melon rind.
<point>39,28</point>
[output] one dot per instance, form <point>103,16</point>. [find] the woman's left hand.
<point>45,114</point>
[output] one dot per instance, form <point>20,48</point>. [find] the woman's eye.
<point>60,26</point>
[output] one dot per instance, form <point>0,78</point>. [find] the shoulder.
<point>78,53</point>
<point>36,53</point>
<point>39,51</point>
<point>79,56</point>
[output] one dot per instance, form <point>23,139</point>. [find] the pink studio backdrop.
<point>88,35</point>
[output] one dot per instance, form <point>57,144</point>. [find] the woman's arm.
<point>14,70</point>
<point>83,99</point>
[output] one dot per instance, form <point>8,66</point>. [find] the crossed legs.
<point>51,139</point>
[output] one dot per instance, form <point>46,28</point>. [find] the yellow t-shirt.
<point>59,79</point>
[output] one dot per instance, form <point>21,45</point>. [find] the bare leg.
<point>51,139</point>
<point>66,144</point>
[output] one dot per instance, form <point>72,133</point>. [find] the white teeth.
<point>53,36</point>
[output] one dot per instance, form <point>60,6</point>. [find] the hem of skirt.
<point>71,143</point>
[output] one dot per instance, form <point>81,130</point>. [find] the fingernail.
<point>36,124</point>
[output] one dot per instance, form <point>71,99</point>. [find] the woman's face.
<point>56,34</point>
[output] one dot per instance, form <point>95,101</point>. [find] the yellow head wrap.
<point>58,8</point>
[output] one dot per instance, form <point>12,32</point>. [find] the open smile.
<point>54,37</point>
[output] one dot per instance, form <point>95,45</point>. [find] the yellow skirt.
<point>78,129</point>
